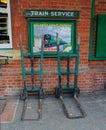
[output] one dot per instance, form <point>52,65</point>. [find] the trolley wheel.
<point>77,92</point>
<point>57,92</point>
<point>41,94</point>
<point>24,95</point>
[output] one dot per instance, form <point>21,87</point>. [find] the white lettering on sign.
<point>39,13</point>
<point>61,13</point>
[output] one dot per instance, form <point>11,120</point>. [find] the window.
<point>66,30</point>
<point>97,47</point>
<point>101,36</point>
<point>5,25</point>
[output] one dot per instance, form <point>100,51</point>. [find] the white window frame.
<point>8,45</point>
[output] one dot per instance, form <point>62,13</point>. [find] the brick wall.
<point>92,74</point>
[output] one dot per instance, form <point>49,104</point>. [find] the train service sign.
<point>70,14</point>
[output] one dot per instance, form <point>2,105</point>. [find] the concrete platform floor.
<point>53,117</point>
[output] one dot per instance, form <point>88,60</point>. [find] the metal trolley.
<point>32,72</point>
<point>74,88</point>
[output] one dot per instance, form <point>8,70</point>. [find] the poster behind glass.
<point>49,31</point>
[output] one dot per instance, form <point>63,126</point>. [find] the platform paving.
<point>53,117</point>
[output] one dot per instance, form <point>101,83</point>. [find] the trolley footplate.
<point>68,113</point>
<point>26,107</point>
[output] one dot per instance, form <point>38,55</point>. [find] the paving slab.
<point>53,117</point>
<point>2,105</point>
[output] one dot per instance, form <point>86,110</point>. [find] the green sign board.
<point>69,14</point>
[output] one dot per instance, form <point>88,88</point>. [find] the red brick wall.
<point>92,74</point>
